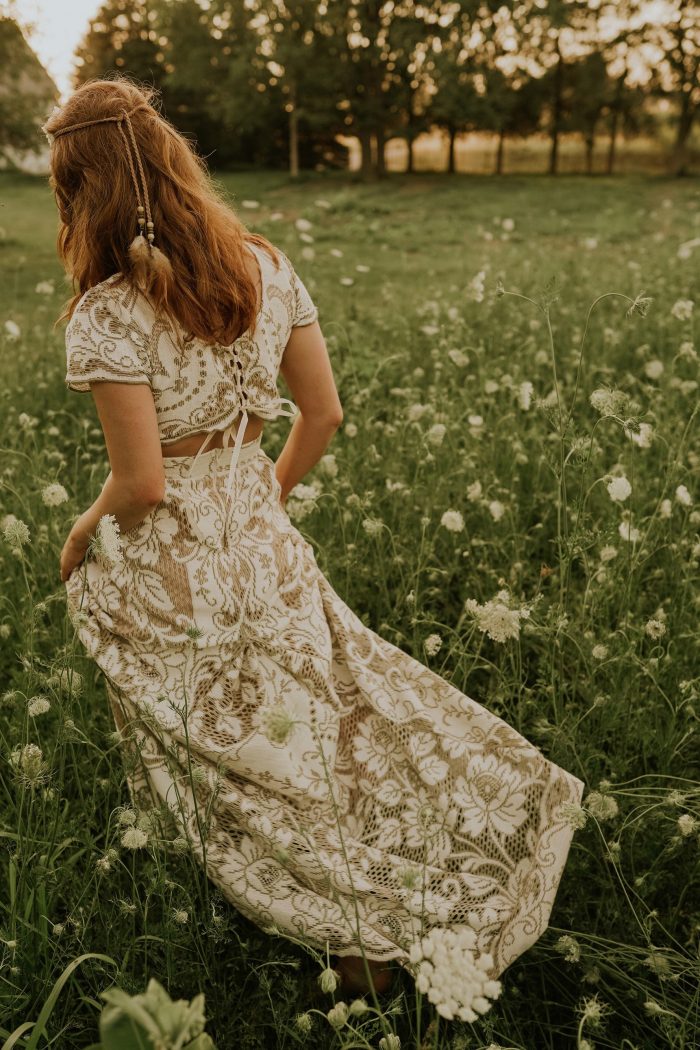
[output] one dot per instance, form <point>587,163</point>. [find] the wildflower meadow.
<point>513,498</point>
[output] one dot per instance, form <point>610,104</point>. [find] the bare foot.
<point>353,978</point>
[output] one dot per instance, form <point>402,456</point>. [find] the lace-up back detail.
<point>115,335</point>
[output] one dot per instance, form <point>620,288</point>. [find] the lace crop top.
<point>115,335</point>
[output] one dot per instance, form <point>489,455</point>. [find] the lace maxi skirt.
<point>306,759</point>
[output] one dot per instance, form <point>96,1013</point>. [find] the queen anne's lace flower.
<point>452,521</point>
<point>455,980</point>
<point>619,489</point>
<point>496,619</point>
<point>53,495</point>
<point>38,705</point>
<point>134,838</point>
<point>15,531</point>
<point>107,544</point>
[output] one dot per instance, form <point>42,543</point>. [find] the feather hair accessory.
<point>148,262</point>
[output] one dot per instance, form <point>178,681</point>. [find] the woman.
<point>334,788</point>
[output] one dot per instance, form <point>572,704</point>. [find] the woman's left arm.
<point>136,482</point>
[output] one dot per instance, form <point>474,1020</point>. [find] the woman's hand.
<point>71,556</point>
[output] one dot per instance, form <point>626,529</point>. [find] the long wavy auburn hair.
<point>206,286</point>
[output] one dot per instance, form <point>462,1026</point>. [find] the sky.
<point>60,24</point>
<point>59,27</point>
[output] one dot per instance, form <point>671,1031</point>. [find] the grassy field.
<point>566,438</point>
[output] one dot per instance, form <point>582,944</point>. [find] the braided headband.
<point>141,247</point>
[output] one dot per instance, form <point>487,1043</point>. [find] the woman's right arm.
<point>307,371</point>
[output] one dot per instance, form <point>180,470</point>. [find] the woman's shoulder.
<point>110,302</point>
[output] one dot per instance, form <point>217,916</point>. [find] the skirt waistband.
<point>209,462</point>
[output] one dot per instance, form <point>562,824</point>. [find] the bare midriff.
<point>188,446</point>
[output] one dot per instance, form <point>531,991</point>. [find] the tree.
<point>26,94</point>
<point>122,36</point>
<point>677,73</point>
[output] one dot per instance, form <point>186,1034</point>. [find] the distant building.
<point>27,95</point>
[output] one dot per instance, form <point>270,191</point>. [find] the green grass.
<point>590,680</point>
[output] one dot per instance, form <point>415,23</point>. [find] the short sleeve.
<point>103,342</point>
<point>303,307</point>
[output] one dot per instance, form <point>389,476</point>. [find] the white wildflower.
<point>569,947</point>
<point>15,531</point>
<point>496,509</point>
<point>358,1007</point>
<point>628,532</point>
<point>654,369</point>
<point>436,434</point>
<point>126,817</point>
<point>496,619</point>
<point>416,412</point>
<point>29,765</point>
<point>45,288</point>
<point>104,864</point>
<point>134,838</point>
<point>338,1014</point>
<point>328,465</point>
<point>107,544</point>
<point>607,553</point>
<point>12,330</point>
<point>372,526</point>
<point>38,705</point>
<point>303,224</point>
<point>328,980</point>
<point>475,421</point>
<point>600,806</point>
<point>683,496</point>
<point>474,491</point>
<point>390,1042</point>
<point>682,309</point>
<point>54,494</point>
<point>642,436</point>
<point>458,357</point>
<point>608,402</point>
<point>687,824</point>
<point>347,281</point>
<point>619,489</point>
<point>452,521</point>
<point>476,286</point>
<point>250,204</point>
<point>525,391</point>
<point>665,508</point>
<point>655,628</point>
<point>599,652</point>
<point>277,723</point>
<point>304,1023</point>
<point>350,429</point>
<point>508,225</point>
<point>181,916</point>
<point>454,978</point>
<point>573,815</point>
<point>432,644</point>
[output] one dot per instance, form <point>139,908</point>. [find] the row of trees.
<point>273,82</point>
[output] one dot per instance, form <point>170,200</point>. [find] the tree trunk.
<point>614,121</point>
<point>452,132</point>
<point>499,152</point>
<point>590,144</point>
<point>367,167</point>
<point>294,143</point>
<point>381,159</point>
<point>679,156</point>
<point>411,163</point>
<point>556,112</point>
